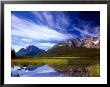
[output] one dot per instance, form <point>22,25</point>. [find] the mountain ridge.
<point>62,48</point>
<point>30,50</point>
<point>87,43</point>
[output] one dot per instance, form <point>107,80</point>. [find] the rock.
<point>78,72</point>
<point>88,43</point>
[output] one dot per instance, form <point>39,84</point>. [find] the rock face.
<point>30,51</point>
<point>88,43</point>
<point>92,42</point>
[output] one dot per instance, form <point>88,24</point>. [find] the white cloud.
<point>84,32</point>
<point>86,29</point>
<point>17,47</point>
<point>28,29</point>
<point>49,18</point>
<point>24,32</point>
<point>45,46</point>
<point>26,40</point>
<point>59,21</point>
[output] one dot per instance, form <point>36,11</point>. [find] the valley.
<point>70,58</point>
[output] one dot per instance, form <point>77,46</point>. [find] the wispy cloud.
<point>86,32</point>
<point>45,29</point>
<point>55,20</point>
<point>86,29</point>
<point>26,31</point>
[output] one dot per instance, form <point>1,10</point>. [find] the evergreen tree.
<point>13,53</point>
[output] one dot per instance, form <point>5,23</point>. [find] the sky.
<point>46,28</point>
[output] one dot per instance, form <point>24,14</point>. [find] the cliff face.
<point>88,43</point>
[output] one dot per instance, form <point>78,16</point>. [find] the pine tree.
<point>13,53</point>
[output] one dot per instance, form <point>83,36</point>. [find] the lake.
<point>35,71</point>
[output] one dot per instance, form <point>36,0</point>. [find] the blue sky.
<point>46,28</point>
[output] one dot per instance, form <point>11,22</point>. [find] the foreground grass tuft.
<point>95,70</point>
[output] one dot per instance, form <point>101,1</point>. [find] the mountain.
<point>31,50</point>
<point>69,48</point>
<point>88,47</point>
<point>93,42</point>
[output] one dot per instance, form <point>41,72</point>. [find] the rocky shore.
<point>90,71</point>
<point>77,72</point>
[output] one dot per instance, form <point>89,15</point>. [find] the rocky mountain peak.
<point>93,42</point>
<point>30,50</point>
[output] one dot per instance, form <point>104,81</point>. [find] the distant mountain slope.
<point>72,52</point>
<point>30,51</point>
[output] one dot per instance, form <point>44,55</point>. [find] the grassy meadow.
<point>55,61</point>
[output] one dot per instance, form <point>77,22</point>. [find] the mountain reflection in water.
<point>35,71</point>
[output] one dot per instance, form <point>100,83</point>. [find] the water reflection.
<point>34,71</point>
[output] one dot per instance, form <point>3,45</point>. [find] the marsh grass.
<point>38,61</point>
<point>54,61</point>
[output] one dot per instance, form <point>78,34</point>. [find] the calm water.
<point>35,71</point>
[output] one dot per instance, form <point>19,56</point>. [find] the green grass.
<point>54,61</point>
<point>95,70</point>
<point>70,52</point>
<point>40,61</point>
